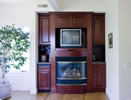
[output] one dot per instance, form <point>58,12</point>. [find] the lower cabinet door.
<point>44,79</point>
<point>99,75</point>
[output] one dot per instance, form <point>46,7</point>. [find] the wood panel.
<point>44,78</point>
<point>71,89</point>
<point>98,78</point>
<point>99,29</point>
<point>71,53</point>
<point>79,21</point>
<point>71,21</point>
<point>89,55</point>
<point>63,21</point>
<point>44,34</point>
<point>72,49</point>
<point>53,69</point>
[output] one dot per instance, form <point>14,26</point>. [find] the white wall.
<point>55,4</point>
<point>125,49</point>
<point>119,58</point>
<point>83,5</point>
<point>20,81</point>
<point>23,13</point>
<point>112,54</point>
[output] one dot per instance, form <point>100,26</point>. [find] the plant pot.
<point>5,90</point>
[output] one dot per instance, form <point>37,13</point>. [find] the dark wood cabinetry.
<point>63,21</point>
<point>92,26</point>
<point>79,21</point>
<point>99,29</point>
<point>71,21</point>
<point>44,34</point>
<point>43,78</point>
<point>98,51</point>
<point>99,77</point>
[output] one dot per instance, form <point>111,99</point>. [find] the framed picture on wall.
<point>110,40</point>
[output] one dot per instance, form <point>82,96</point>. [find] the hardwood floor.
<point>48,96</point>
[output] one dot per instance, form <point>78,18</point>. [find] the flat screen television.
<point>70,37</point>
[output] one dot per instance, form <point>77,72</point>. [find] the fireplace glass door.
<point>71,70</point>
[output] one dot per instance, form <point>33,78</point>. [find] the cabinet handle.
<point>71,50</point>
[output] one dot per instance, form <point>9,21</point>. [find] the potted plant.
<point>13,43</point>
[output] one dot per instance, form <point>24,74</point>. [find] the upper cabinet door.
<point>44,36</point>
<point>71,21</point>
<point>79,21</point>
<point>63,21</point>
<point>99,29</point>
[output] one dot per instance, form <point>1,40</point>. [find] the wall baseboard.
<point>33,91</point>
<point>107,96</point>
<point>20,89</point>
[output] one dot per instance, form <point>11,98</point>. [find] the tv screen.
<point>70,37</point>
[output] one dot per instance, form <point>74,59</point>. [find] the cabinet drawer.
<point>67,52</point>
<point>43,68</point>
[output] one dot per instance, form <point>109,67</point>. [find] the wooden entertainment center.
<point>53,57</point>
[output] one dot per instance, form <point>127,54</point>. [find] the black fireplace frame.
<point>72,81</point>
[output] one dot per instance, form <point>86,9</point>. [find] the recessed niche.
<point>98,53</point>
<point>79,37</point>
<point>44,53</point>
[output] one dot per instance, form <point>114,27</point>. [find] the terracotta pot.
<point>5,90</point>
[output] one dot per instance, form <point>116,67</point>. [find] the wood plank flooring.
<point>48,96</point>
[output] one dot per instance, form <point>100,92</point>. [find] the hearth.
<point>71,71</point>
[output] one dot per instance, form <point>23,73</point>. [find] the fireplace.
<point>71,71</point>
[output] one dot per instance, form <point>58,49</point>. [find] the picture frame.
<point>110,40</point>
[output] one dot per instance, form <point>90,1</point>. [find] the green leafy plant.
<point>13,43</point>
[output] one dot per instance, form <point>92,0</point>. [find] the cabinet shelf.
<point>98,62</point>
